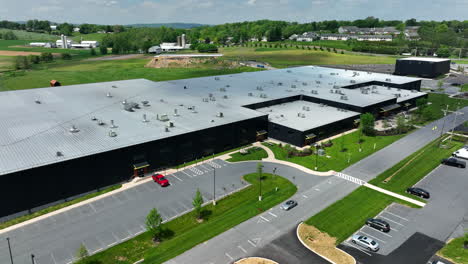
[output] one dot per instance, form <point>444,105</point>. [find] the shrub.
<point>207,48</point>
<point>92,52</point>
<point>47,57</point>
<point>103,50</point>
<point>66,56</point>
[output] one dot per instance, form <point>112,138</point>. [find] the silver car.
<point>365,242</point>
<point>288,205</point>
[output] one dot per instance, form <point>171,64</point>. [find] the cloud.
<point>251,2</point>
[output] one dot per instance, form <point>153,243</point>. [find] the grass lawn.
<point>79,72</point>
<point>185,232</point>
<point>210,157</point>
<point>347,215</point>
<point>288,57</point>
<point>464,88</point>
<point>455,251</point>
<point>339,160</point>
<point>254,153</point>
<point>440,101</point>
<point>56,207</point>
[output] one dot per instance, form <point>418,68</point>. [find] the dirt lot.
<point>323,244</point>
<point>255,260</point>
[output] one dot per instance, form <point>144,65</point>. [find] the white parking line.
<point>351,245</point>
<point>373,237</point>
<point>53,258</point>
<point>183,171</point>
<point>391,220</point>
<point>176,177</point>
<point>229,256</point>
<point>264,218</point>
<point>305,196</point>
<point>380,232</point>
<point>241,248</point>
<point>272,214</point>
<point>251,243</point>
<point>397,216</point>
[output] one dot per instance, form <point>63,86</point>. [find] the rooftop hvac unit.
<point>259,88</point>
<point>176,112</point>
<point>216,78</point>
<point>114,86</point>
<point>100,123</point>
<point>344,97</point>
<point>112,124</point>
<point>144,120</point>
<point>398,89</point>
<point>210,95</point>
<point>222,89</point>
<point>93,118</point>
<point>298,114</point>
<point>289,71</point>
<point>163,117</point>
<point>170,124</point>
<point>73,129</point>
<point>388,80</point>
<point>109,95</point>
<point>250,94</point>
<point>331,91</point>
<point>336,86</point>
<point>206,100</point>
<point>414,91</point>
<point>166,129</point>
<point>59,154</point>
<point>220,114</point>
<point>317,82</point>
<point>263,95</point>
<point>304,107</point>
<point>302,115</point>
<point>320,75</point>
<point>112,133</point>
<point>280,84</point>
<point>212,98</point>
<point>37,101</point>
<point>145,103</point>
<point>227,85</point>
<point>389,88</point>
<point>193,109</point>
<point>304,83</point>
<point>352,81</point>
<point>225,96</point>
<point>322,105</point>
<point>293,86</point>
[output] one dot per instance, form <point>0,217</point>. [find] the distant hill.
<point>172,25</point>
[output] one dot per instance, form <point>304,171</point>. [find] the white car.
<point>365,242</point>
<point>461,153</point>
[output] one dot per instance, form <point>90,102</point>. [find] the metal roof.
<point>35,124</point>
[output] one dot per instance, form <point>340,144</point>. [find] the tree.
<point>197,204</point>
<point>401,124</point>
<point>9,35</point>
<point>153,224</point>
<point>82,252</point>
<point>367,124</point>
<point>443,52</point>
<point>47,57</point>
<point>21,62</point>
<point>92,52</point>
<point>103,50</point>
<point>34,59</point>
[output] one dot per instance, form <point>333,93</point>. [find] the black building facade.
<point>423,68</point>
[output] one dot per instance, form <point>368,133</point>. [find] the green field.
<point>282,58</point>
<point>21,45</point>
<point>344,217</point>
<point>339,160</point>
<point>464,88</point>
<point>92,36</point>
<point>101,71</point>
<point>455,251</point>
<point>185,232</point>
<point>254,153</point>
<point>440,102</point>
<point>25,35</point>
<point>6,63</point>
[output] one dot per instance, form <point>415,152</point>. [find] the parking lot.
<point>118,217</point>
<point>397,216</point>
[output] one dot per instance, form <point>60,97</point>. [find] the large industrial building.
<point>59,142</point>
<point>423,67</point>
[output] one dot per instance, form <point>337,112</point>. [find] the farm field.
<point>78,72</point>
<point>6,63</point>
<point>288,57</point>
<point>25,35</point>
<point>21,45</point>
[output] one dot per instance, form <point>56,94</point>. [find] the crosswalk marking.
<point>214,164</point>
<point>350,178</point>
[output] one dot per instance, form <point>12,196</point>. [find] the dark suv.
<point>378,224</point>
<point>454,162</point>
<point>418,192</point>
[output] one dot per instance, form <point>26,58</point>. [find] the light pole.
<point>316,156</point>
<point>454,121</point>
<point>443,126</point>
<point>32,259</point>
<point>9,249</point>
<point>214,185</point>
<point>259,171</point>
<point>274,176</point>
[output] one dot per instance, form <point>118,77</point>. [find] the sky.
<point>224,11</point>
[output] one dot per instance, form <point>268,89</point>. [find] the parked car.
<point>418,192</point>
<point>365,242</point>
<point>461,153</point>
<point>378,224</point>
<point>288,205</point>
<point>160,179</point>
<point>454,162</point>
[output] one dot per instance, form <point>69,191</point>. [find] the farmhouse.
<point>104,133</point>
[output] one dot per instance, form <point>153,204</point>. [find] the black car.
<point>418,192</point>
<point>454,162</point>
<point>378,224</point>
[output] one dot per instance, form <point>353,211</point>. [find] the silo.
<point>178,41</point>
<point>183,40</point>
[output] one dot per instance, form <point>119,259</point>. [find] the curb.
<point>256,258</point>
<point>306,246</point>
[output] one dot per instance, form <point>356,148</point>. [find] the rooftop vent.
<point>59,154</point>
<point>112,124</point>
<point>389,88</point>
<point>175,112</point>
<point>185,87</point>
<point>73,129</point>
<point>250,94</point>
<point>216,78</point>
<point>220,114</point>
<point>320,75</point>
<point>112,133</point>
<point>259,88</point>
<point>344,97</point>
<point>161,100</point>
<point>206,100</point>
<point>193,108</point>
<point>114,86</point>
<point>170,124</point>
<point>332,91</point>
<point>293,86</point>
<point>317,82</point>
<point>145,103</point>
<point>212,121</point>
<point>302,115</point>
<point>100,122</point>
<point>163,117</point>
<point>37,101</point>
<point>280,84</point>
<point>93,118</point>
<point>212,98</point>
<point>210,95</point>
<point>352,81</point>
<point>388,80</point>
<point>288,71</point>
<point>414,91</point>
<point>227,85</point>
<point>225,96</point>
<point>304,83</point>
<point>222,89</point>
<point>166,129</point>
<point>144,120</point>
<point>109,95</point>
<point>398,89</point>
<point>263,95</point>
<point>124,102</point>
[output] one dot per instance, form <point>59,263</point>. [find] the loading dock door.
<point>140,169</point>
<point>262,135</point>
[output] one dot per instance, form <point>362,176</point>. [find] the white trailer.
<point>461,153</point>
